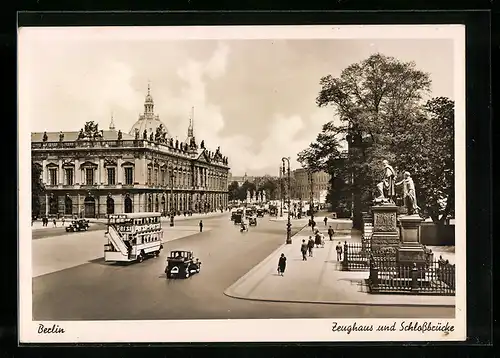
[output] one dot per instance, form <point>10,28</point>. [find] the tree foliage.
<point>379,102</point>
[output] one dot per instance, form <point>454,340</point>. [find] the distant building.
<point>302,185</point>
<point>95,172</point>
<point>242,179</point>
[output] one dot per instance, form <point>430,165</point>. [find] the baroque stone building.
<point>302,185</point>
<point>95,172</point>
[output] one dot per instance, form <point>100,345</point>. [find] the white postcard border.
<point>266,330</point>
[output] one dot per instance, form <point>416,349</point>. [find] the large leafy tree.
<point>376,100</point>
<point>233,191</point>
<point>269,185</point>
<point>246,186</point>
<point>37,188</point>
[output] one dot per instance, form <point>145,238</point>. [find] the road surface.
<point>58,231</point>
<point>140,291</point>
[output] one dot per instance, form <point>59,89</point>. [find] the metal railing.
<point>356,256</point>
<point>433,278</point>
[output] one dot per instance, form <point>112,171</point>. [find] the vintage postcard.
<point>267,184</point>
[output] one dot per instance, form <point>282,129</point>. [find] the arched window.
<point>68,206</point>
<point>110,205</point>
<point>150,204</point>
<point>128,205</point>
<point>53,205</point>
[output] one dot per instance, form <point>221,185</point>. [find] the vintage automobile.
<point>182,264</point>
<point>252,221</point>
<point>260,213</point>
<point>273,211</point>
<point>237,218</point>
<point>78,225</point>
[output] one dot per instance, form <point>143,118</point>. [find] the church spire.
<point>149,103</point>
<point>191,128</point>
<point>112,124</point>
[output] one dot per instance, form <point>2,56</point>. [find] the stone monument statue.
<point>263,196</point>
<point>248,195</point>
<point>409,194</point>
<point>385,189</point>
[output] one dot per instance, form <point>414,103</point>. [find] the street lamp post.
<point>288,225</point>
<point>281,194</point>
<point>311,198</point>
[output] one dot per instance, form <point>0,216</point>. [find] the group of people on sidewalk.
<point>307,247</point>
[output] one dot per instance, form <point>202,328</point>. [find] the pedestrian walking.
<point>339,251</point>
<point>313,224</point>
<point>325,220</point>
<point>55,222</point>
<point>201,225</point>
<point>317,238</point>
<point>322,240</point>
<point>331,232</point>
<point>310,246</point>
<point>281,265</point>
<point>303,249</point>
<point>62,221</point>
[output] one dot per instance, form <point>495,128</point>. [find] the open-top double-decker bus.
<point>133,237</point>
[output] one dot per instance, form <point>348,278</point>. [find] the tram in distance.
<point>133,237</point>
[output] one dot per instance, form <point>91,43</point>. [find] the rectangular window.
<point>129,176</point>
<point>53,176</point>
<point>69,176</point>
<point>89,176</point>
<point>156,176</point>
<point>149,176</point>
<point>162,177</point>
<point>111,176</point>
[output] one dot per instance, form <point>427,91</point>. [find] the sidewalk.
<point>62,252</point>
<point>317,280</point>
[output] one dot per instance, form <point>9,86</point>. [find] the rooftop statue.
<point>45,137</point>
<point>61,136</point>
<point>119,135</point>
<point>145,135</point>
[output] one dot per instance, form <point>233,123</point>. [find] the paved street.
<point>95,290</point>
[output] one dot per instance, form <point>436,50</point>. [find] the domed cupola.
<point>148,121</point>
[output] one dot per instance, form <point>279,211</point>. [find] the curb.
<point>339,302</point>
<point>259,265</point>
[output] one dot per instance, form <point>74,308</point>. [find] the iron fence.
<point>356,257</point>
<point>433,278</point>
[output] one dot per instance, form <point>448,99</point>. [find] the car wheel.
<point>140,257</point>
<point>187,273</point>
<point>157,253</point>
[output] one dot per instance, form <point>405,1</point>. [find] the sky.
<point>255,98</point>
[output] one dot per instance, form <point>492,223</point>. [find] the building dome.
<point>148,121</point>
<point>148,124</point>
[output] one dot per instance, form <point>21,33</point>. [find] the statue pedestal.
<point>410,250</point>
<point>385,231</point>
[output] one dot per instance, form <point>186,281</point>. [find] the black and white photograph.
<point>242,183</point>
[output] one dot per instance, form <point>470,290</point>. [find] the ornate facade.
<point>95,172</point>
<point>302,184</point>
